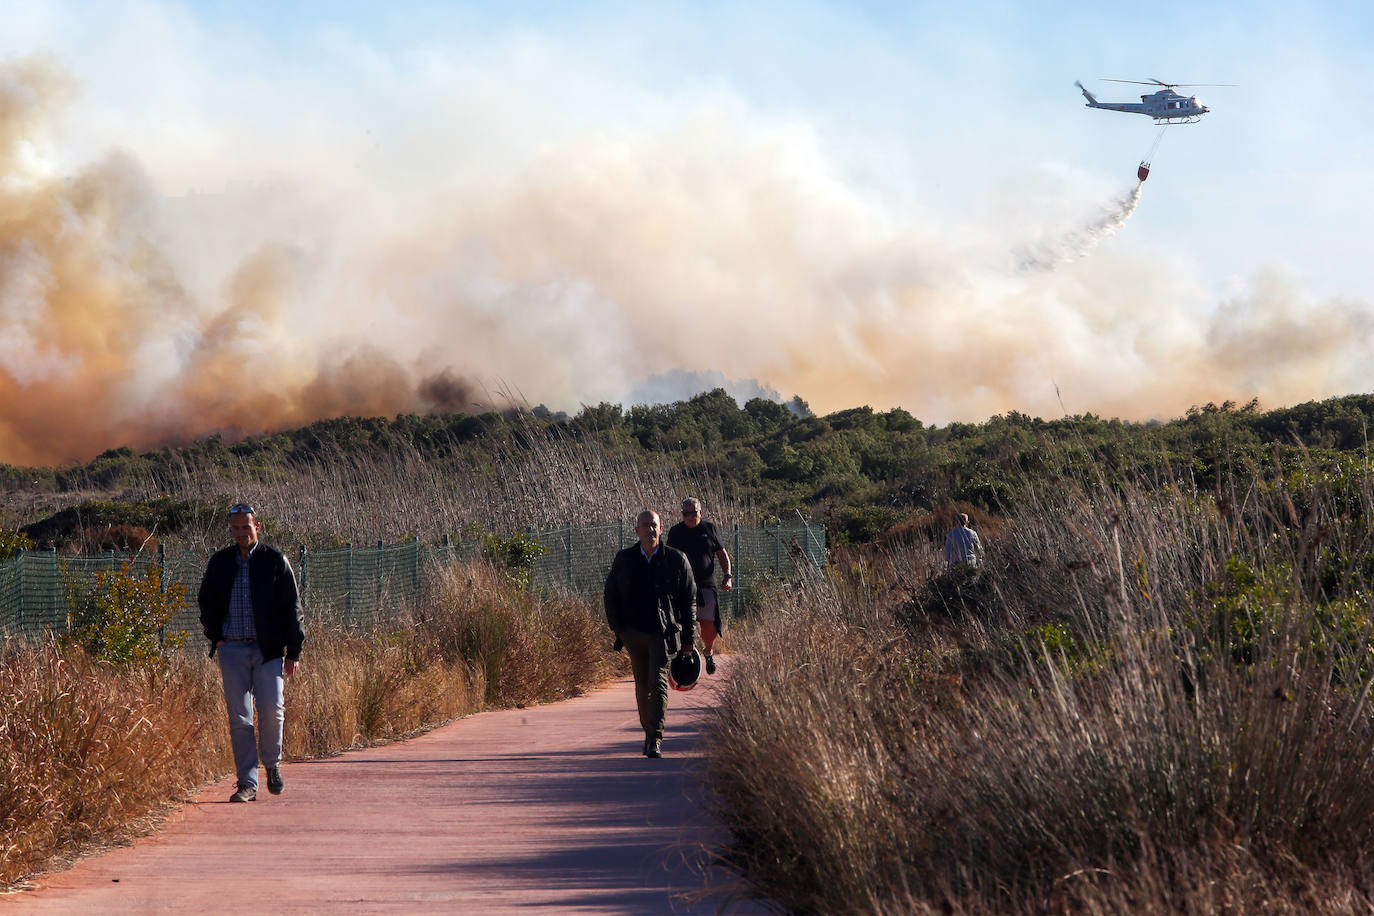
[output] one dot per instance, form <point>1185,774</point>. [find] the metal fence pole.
<point>376,614</point>
<point>19,593</point>
<point>738,574</point>
<point>415,569</point>
<point>161,588</point>
<point>55,589</point>
<point>348,584</point>
<point>300,573</point>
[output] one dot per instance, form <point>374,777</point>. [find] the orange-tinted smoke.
<point>100,344</point>
<point>712,240</point>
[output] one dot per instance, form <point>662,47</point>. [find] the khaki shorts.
<point>706,604</point>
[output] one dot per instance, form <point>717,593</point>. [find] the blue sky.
<point>581,201</point>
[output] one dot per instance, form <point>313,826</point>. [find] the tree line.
<point>858,470</point>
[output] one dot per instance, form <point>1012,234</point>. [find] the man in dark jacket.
<point>250,610</point>
<point>651,606</point>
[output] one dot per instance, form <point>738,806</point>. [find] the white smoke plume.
<point>487,238</point>
<point>1047,254</point>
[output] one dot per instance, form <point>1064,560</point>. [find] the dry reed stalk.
<point>534,479</point>
<point>1062,731</point>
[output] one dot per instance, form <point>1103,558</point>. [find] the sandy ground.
<point>544,810</point>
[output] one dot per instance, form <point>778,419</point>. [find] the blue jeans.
<point>247,678</point>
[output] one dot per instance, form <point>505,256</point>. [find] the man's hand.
<point>289,667</point>
<point>727,582</point>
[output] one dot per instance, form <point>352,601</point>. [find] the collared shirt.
<point>649,557</point>
<point>240,624</point>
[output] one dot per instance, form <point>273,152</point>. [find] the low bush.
<point>121,617</point>
<point>526,647</point>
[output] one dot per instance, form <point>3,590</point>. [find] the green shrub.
<point>120,619</point>
<point>11,542</point>
<point>514,554</point>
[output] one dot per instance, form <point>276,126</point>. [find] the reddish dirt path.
<point>548,809</point>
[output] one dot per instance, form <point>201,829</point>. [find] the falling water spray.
<point>1048,254</point>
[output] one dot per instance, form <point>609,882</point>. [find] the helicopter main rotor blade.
<point>1155,82</point>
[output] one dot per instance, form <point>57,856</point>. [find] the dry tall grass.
<point>1146,702</point>
<point>539,479</point>
<point>89,755</point>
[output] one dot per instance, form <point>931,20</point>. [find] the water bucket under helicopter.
<point>1143,172</point>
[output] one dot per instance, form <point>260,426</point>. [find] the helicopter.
<point>1166,105</point>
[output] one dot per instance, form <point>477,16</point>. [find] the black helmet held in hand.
<point>685,669</point>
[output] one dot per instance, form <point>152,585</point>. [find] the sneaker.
<point>274,783</point>
<point>654,748</point>
<point>710,664</point>
<point>244,794</point>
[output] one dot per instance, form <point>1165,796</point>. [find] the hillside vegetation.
<point>1148,699</point>
<point>1153,697</point>
<point>859,471</point>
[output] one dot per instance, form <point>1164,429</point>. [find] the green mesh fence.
<point>367,586</point>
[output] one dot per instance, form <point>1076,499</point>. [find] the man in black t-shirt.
<point>698,538</point>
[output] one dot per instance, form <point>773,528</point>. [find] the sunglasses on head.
<point>241,509</point>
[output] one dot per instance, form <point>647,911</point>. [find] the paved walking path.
<point>547,809</point>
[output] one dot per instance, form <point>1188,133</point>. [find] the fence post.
<point>300,573</point>
<point>777,550</point>
<point>376,614</point>
<point>55,597</point>
<point>348,584</point>
<point>415,570</point>
<point>19,593</point>
<point>738,574</point>
<point>162,587</point>
<point>567,554</point>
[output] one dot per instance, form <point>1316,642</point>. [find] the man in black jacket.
<point>250,610</point>
<point>651,605</point>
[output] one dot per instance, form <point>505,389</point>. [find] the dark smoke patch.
<point>445,392</point>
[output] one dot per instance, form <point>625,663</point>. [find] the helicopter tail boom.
<point>1092,99</point>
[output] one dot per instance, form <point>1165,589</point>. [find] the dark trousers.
<point>649,659</point>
